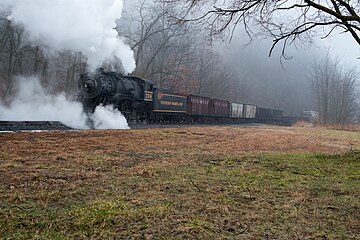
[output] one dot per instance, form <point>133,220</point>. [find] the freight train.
<point>141,100</point>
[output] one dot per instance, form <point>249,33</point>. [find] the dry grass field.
<point>184,183</point>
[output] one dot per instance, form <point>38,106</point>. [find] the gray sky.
<point>343,46</point>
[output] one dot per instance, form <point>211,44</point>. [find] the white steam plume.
<point>32,103</point>
<point>106,117</point>
<point>80,25</point>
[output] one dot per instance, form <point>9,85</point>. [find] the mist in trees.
<point>67,33</point>
<point>268,81</point>
<point>58,71</point>
<point>288,24</point>
<point>285,22</point>
<point>176,56</point>
<point>334,87</point>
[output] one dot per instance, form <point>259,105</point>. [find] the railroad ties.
<point>17,126</point>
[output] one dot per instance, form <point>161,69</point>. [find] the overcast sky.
<point>343,46</point>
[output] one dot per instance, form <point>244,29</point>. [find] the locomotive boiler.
<point>131,95</point>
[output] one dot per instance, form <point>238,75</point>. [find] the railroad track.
<point>17,126</point>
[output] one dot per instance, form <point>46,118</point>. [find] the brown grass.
<point>186,183</point>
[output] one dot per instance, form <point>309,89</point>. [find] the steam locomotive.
<point>132,96</point>
<point>139,99</point>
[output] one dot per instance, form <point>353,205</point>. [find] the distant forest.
<point>175,56</point>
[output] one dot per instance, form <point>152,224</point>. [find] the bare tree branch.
<point>284,20</point>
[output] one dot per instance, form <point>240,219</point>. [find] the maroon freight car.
<point>220,108</point>
<point>198,106</point>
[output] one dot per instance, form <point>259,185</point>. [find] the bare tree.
<point>164,51</point>
<point>284,20</point>
<point>57,71</point>
<point>335,91</point>
<point>11,54</point>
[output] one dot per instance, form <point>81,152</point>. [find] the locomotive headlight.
<point>89,85</point>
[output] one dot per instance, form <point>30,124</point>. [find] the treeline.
<point>58,71</point>
<point>174,55</point>
<point>335,89</point>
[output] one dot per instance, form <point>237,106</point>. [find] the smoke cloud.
<point>86,26</point>
<point>106,117</point>
<point>32,103</point>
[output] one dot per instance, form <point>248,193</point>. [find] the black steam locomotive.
<point>132,96</point>
<point>140,99</point>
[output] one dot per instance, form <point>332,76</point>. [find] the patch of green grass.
<point>4,156</point>
<point>195,227</point>
<point>278,196</point>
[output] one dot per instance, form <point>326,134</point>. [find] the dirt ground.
<point>214,140</point>
<point>76,173</point>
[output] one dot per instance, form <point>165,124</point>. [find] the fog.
<point>33,103</point>
<point>85,26</point>
<point>343,46</point>
<point>177,57</point>
<point>276,82</point>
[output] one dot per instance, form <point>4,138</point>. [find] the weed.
<point>263,183</point>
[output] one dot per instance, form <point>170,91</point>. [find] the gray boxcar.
<point>249,111</point>
<point>237,110</point>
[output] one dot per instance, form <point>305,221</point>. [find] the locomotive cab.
<point>149,91</point>
<point>147,88</point>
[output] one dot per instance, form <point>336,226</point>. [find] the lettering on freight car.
<point>169,103</point>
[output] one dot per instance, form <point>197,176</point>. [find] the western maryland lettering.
<point>171,103</point>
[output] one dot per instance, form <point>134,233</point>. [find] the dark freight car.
<point>263,113</point>
<point>220,108</point>
<point>266,113</point>
<point>168,102</point>
<point>198,106</point>
<point>277,114</point>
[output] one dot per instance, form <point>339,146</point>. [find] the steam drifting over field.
<point>83,26</point>
<point>32,103</point>
<point>86,26</point>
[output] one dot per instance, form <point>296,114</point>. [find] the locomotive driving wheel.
<point>125,108</point>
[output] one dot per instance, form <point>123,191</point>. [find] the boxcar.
<point>263,113</point>
<point>198,106</point>
<point>220,108</point>
<point>277,114</point>
<point>236,110</point>
<point>268,113</point>
<point>249,111</point>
